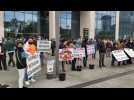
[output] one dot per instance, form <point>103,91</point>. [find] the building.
<point>70,24</point>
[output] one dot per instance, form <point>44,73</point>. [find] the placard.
<point>33,64</point>
<point>79,53</point>
<point>50,66</point>
<point>90,49</point>
<point>120,55</point>
<point>66,54</point>
<point>130,52</point>
<point>43,45</point>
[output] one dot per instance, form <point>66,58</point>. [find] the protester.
<point>21,63</point>
<point>84,45</point>
<point>108,48</point>
<point>2,56</point>
<point>102,51</point>
<point>115,47</point>
<point>10,47</point>
<point>30,49</point>
<point>53,46</point>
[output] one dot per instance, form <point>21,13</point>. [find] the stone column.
<point>117,25</point>
<point>1,24</point>
<point>87,20</point>
<point>53,24</point>
<point>92,24</point>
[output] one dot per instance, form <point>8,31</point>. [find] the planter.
<point>91,66</point>
<point>50,76</point>
<point>62,77</point>
<point>79,68</point>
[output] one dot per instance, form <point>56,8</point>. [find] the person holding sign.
<point>20,63</point>
<point>30,49</point>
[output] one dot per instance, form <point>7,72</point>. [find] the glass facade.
<point>65,23</point>
<point>105,24</point>
<point>126,24</point>
<point>27,22</point>
<point>69,24</point>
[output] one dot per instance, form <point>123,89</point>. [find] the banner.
<point>120,55</point>
<point>66,54</point>
<point>90,49</point>
<point>33,64</point>
<point>79,53</point>
<point>43,45</point>
<point>130,52</point>
<point>50,66</point>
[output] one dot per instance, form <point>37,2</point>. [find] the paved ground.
<point>74,78</point>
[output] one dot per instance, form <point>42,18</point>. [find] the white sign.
<point>33,64</point>
<point>90,49</point>
<point>66,54</point>
<point>78,52</point>
<point>43,45</point>
<point>50,66</point>
<point>120,55</point>
<point>130,52</point>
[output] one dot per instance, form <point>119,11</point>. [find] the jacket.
<point>20,59</point>
<point>102,48</point>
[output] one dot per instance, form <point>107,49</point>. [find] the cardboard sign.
<point>120,55</point>
<point>90,49</point>
<point>50,66</point>
<point>79,53</point>
<point>130,52</point>
<point>66,54</point>
<point>43,45</point>
<point>33,64</point>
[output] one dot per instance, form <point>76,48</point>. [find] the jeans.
<point>21,77</point>
<point>101,59</point>
<point>3,62</point>
<point>11,60</point>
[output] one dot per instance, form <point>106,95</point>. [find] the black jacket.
<point>102,48</point>
<point>20,59</point>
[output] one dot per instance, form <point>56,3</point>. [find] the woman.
<point>21,63</point>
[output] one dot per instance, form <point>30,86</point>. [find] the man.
<point>102,51</point>
<point>84,45</point>
<point>2,56</point>
<point>10,46</point>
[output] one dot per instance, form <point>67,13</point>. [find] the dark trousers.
<point>63,66</point>
<point>85,61</point>
<point>101,59</point>
<point>3,62</point>
<point>113,60</point>
<point>52,51</point>
<point>73,63</point>
<point>11,60</point>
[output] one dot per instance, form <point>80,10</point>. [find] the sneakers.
<point>33,80</point>
<point>27,82</point>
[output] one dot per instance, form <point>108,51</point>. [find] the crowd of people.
<point>22,47</point>
<point>18,49</point>
<point>104,46</point>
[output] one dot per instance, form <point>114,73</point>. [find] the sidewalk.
<point>73,77</point>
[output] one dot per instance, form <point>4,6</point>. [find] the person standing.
<point>2,56</point>
<point>102,51</point>
<point>10,46</point>
<point>84,45</point>
<point>53,46</point>
<point>30,49</point>
<point>20,63</point>
<point>108,48</point>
